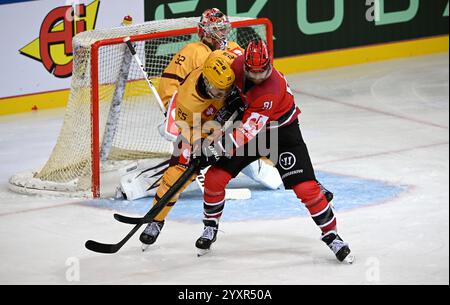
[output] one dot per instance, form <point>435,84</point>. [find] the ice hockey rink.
<point>379,138</point>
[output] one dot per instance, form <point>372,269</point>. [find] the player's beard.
<point>259,77</point>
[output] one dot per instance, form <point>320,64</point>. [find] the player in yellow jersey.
<point>199,100</point>
<point>213,29</point>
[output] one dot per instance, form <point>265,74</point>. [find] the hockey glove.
<point>207,153</point>
<point>233,103</point>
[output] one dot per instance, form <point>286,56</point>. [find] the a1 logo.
<point>54,47</point>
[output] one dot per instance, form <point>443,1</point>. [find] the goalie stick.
<point>154,211</point>
<point>130,46</point>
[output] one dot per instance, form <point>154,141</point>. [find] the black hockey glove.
<point>233,103</point>
<point>207,153</point>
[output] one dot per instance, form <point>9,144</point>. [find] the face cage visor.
<point>218,33</point>
<point>215,93</point>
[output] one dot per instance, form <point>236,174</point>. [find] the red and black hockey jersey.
<point>270,102</point>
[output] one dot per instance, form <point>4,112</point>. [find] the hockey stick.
<point>231,194</point>
<point>130,46</point>
<point>154,211</point>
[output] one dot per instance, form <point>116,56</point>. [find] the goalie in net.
<point>213,29</point>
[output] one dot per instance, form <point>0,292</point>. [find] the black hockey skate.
<point>209,236</point>
<point>339,247</point>
<point>150,234</point>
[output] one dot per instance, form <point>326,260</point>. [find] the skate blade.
<point>144,247</point>
<point>202,252</point>
<point>350,259</point>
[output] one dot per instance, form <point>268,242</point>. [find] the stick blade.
<point>238,194</point>
<point>127,220</point>
<point>101,248</point>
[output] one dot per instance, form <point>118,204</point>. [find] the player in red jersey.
<point>270,108</point>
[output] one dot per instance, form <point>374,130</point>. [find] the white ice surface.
<point>386,121</point>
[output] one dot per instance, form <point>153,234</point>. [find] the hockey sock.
<point>163,214</point>
<point>315,201</point>
<point>171,175</point>
<point>216,180</point>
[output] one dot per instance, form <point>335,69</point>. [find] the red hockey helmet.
<point>214,28</point>
<point>258,64</point>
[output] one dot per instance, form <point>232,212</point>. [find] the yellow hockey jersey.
<point>194,110</point>
<point>191,57</point>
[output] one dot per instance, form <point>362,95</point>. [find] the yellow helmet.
<point>218,72</point>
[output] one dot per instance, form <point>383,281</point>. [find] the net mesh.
<point>130,129</point>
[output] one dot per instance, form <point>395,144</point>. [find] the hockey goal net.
<point>111,119</point>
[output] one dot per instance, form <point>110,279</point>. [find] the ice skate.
<point>339,247</point>
<point>150,234</point>
<point>208,237</point>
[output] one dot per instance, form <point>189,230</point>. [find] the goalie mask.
<point>214,28</point>
<point>218,76</point>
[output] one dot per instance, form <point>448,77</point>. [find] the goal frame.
<point>95,126</point>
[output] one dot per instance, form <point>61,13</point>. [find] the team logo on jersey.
<point>250,129</point>
<point>254,124</point>
<point>185,156</point>
<point>210,111</point>
<point>53,47</point>
<point>287,160</point>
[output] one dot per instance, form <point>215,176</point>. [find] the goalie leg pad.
<point>141,179</point>
<point>262,172</point>
<point>315,201</point>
